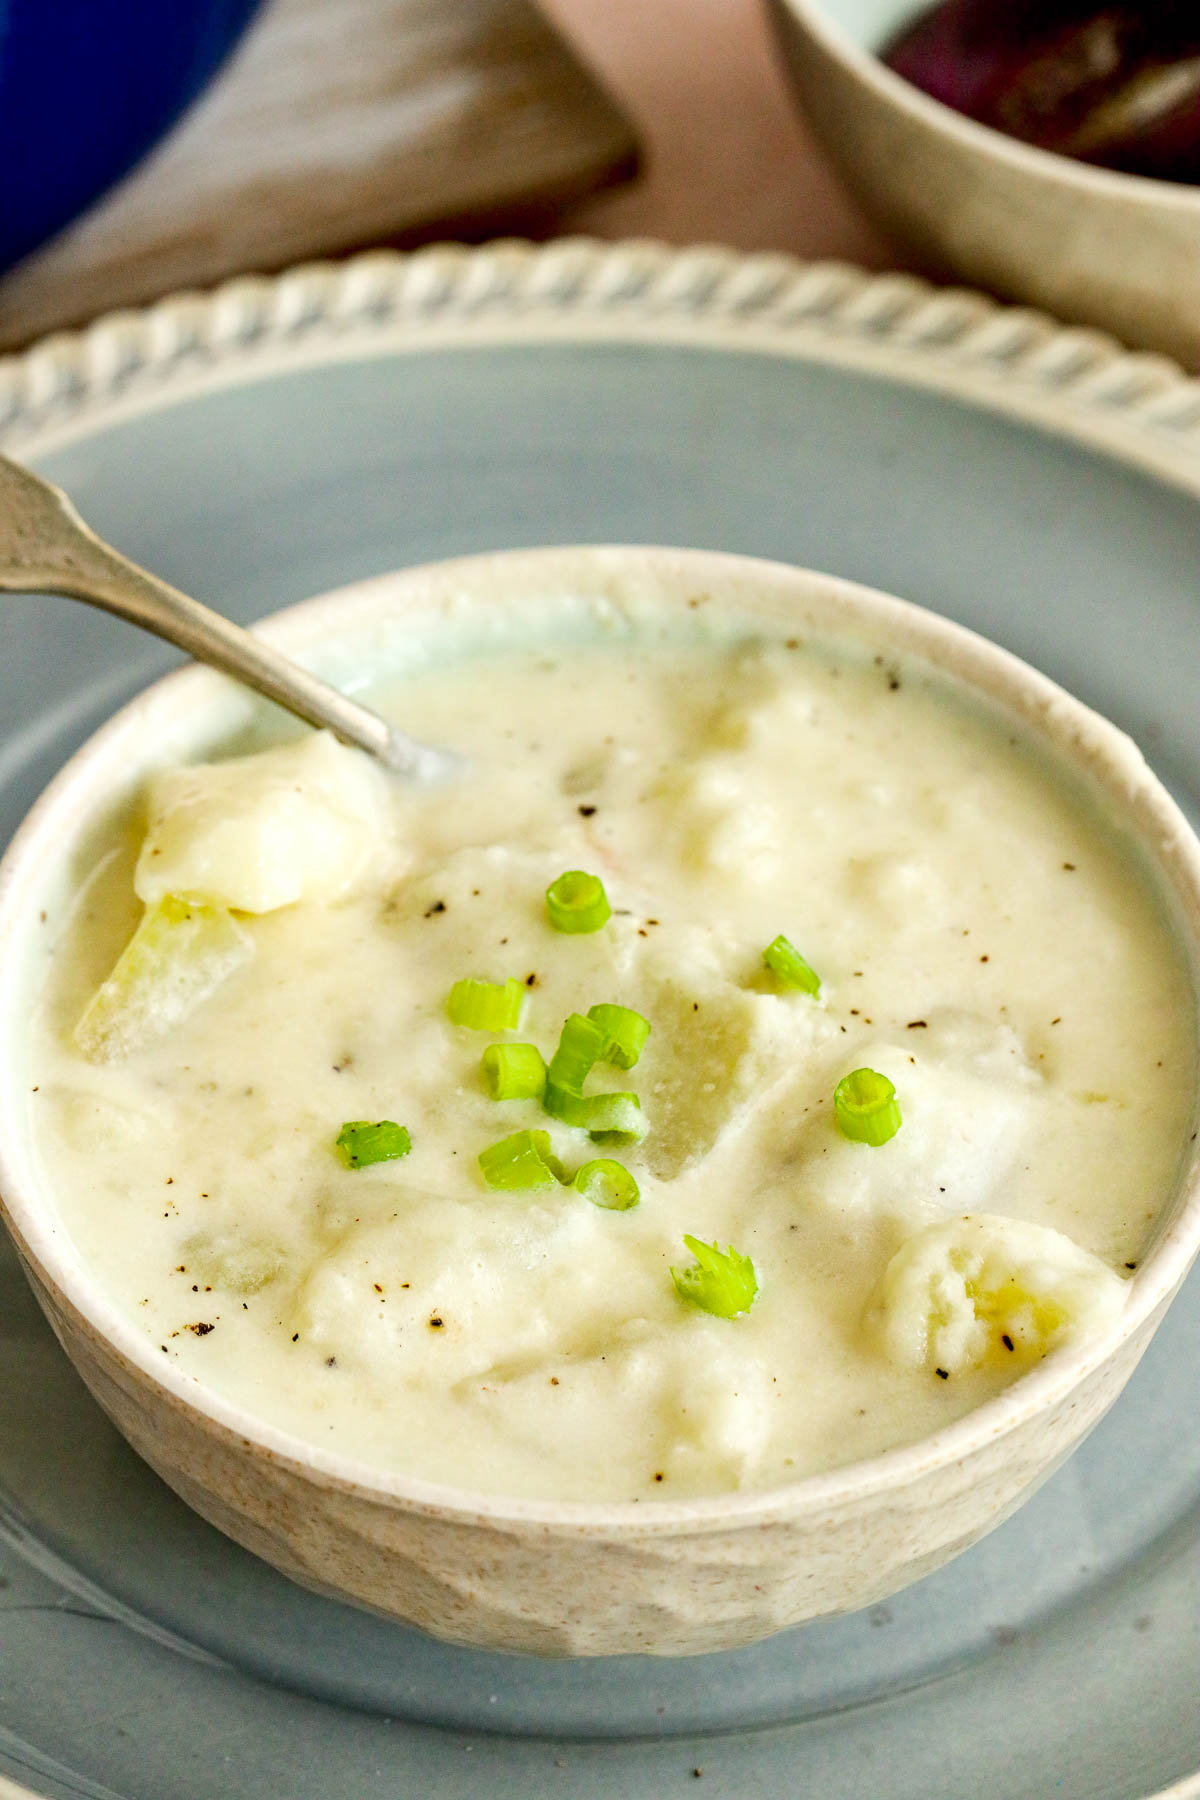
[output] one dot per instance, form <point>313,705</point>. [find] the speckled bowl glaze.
<point>540,1576</point>
<point>1113,250</point>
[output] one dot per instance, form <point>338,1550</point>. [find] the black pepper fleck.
<point>436,1324</point>
<point>917,1025</point>
<point>585,812</point>
<point>439,906</point>
<point>944,1373</point>
<point>1006,1341</point>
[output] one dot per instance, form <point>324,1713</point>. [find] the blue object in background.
<point>86,87</point>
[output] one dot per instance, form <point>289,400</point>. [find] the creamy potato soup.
<point>349,1097</point>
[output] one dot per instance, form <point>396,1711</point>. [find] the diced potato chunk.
<point>506,1284</point>
<point>716,1049</point>
<point>180,952</point>
<point>243,1263</point>
<point>989,1289</point>
<point>299,822</point>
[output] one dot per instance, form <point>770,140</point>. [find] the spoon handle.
<point>45,548</point>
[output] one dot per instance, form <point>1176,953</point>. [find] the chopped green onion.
<point>625,1030</point>
<point>360,1143</point>
<point>523,1160</point>
<point>513,1071</point>
<point>560,1103</point>
<point>609,1118</point>
<point>788,966</point>
<point>615,1119</point>
<point>719,1281</point>
<point>606,1183</point>
<point>866,1107</point>
<point>577,902</point>
<point>486,1005</point>
<point>581,1045</point>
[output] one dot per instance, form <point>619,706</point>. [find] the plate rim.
<point>1138,407</point>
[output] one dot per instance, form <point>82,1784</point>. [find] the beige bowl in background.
<point>542,1576</point>
<point>1118,251</point>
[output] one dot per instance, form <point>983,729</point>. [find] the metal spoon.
<point>45,548</point>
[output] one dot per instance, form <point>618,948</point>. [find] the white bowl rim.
<point>1046,165</point>
<point>962,654</point>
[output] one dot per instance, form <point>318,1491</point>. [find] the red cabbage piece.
<point>1114,85</point>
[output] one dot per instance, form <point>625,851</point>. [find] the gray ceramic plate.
<point>286,437</point>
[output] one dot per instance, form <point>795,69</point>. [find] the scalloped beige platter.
<point>282,438</point>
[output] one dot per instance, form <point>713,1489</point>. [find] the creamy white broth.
<point>981,941</point>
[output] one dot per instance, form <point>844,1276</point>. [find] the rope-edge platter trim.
<point>1073,379</point>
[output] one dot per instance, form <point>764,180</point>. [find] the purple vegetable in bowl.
<point>1110,84</point>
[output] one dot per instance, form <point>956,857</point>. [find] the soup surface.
<point>981,940</point>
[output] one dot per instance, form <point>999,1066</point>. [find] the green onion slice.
<point>608,1118</point>
<point>523,1160</point>
<point>625,1030</point>
<point>577,902</point>
<point>562,1104</point>
<point>608,1184</point>
<point>866,1107</point>
<point>581,1045</point>
<point>486,1005</point>
<point>719,1281</point>
<point>513,1071</point>
<point>615,1119</point>
<point>360,1143</point>
<point>789,967</point>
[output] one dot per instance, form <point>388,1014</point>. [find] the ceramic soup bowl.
<point>1118,251</point>
<point>549,1577</point>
